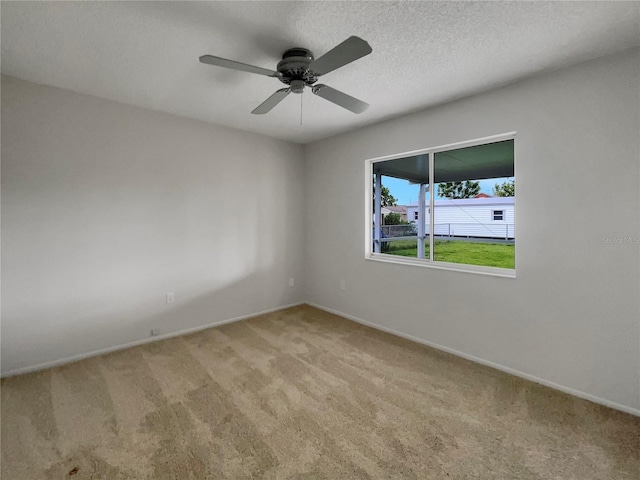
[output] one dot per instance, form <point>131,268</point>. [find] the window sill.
<point>456,267</point>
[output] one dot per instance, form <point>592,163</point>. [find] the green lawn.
<point>471,253</point>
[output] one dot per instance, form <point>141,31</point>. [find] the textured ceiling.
<point>424,53</point>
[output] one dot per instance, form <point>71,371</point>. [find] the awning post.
<point>377,214</point>
<point>421,220</point>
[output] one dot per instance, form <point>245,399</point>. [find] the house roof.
<point>396,209</point>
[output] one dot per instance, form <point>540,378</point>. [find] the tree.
<point>505,189</point>
<point>393,219</point>
<point>386,199</point>
<point>456,190</point>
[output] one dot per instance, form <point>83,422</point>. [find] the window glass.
<point>473,197</point>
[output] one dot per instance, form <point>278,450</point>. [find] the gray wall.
<point>571,317</point>
<point>106,207</point>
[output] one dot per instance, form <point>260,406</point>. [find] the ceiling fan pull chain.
<point>301,108</point>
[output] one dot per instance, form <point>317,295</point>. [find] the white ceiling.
<point>424,53</point>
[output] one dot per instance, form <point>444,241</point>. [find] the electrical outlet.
<point>154,332</point>
<point>343,285</point>
<point>292,282</point>
<point>171,297</point>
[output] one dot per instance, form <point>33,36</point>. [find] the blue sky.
<point>407,193</point>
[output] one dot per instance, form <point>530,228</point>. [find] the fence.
<point>505,231</point>
<point>397,231</point>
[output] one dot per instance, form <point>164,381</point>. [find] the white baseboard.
<point>102,351</point>
<point>517,373</point>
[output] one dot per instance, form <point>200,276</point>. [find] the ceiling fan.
<point>299,69</point>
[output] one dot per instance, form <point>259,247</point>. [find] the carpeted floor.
<point>302,394</point>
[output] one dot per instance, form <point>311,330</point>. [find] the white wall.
<point>106,207</point>
<point>572,315</point>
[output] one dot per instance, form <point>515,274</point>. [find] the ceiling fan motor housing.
<point>294,69</point>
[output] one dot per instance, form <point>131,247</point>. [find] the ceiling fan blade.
<point>348,51</point>
<point>223,62</point>
<point>272,101</point>
<point>339,98</point>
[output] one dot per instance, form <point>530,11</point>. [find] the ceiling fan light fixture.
<point>297,86</point>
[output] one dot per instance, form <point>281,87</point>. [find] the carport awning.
<point>493,160</point>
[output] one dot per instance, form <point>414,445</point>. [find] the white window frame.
<point>493,215</point>
<point>420,262</point>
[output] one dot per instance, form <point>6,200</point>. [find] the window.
<point>456,193</point>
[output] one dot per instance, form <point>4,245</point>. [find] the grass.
<point>470,253</point>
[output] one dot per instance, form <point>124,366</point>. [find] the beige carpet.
<point>302,394</point>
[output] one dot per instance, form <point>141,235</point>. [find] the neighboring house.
<point>483,216</point>
<point>401,209</point>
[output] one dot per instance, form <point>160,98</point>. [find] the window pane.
<point>398,234</point>
<point>474,205</point>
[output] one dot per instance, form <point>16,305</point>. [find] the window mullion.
<point>431,210</point>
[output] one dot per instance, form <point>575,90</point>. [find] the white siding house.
<point>491,217</point>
